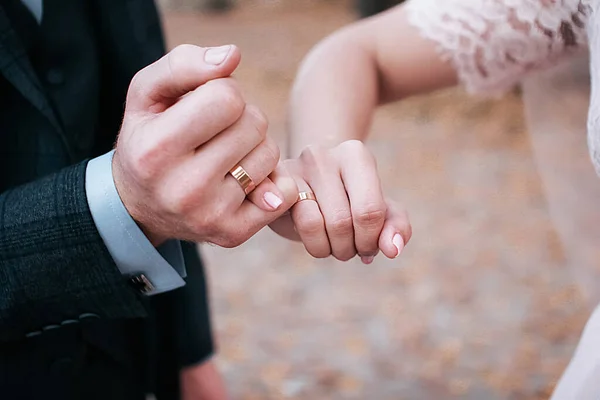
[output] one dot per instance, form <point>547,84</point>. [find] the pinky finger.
<point>396,232</point>
<point>266,196</point>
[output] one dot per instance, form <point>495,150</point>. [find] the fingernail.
<point>367,259</point>
<point>398,242</point>
<point>216,55</point>
<point>272,200</point>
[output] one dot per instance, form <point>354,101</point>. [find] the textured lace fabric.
<point>494,43</point>
<point>594,113</point>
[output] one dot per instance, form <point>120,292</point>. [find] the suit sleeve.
<point>184,315</point>
<point>184,312</point>
<point>54,266</point>
<point>183,335</point>
<point>193,322</point>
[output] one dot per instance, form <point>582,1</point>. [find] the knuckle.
<point>178,202</point>
<point>212,218</point>
<point>341,224</point>
<point>353,145</point>
<point>346,255</point>
<point>318,253</point>
<point>202,229</point>
<point>182,49</point>
<point>310,225</point>
<point>227,235</point>
<point>221,241</point>
<point>316,161</point>
<point>179,58</point>
<point>272,153</point>
<point>358,150</point>
<point>259,120</point>
<point>224,242</point>
<point>229,96</point>
<point>370,216</point>
<point>232,240</point>
<point>311,154</point>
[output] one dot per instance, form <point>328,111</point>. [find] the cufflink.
<point>141,283</point>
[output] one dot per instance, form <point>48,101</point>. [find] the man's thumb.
<point>180,71</point>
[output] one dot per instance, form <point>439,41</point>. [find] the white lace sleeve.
<point>493,43</point>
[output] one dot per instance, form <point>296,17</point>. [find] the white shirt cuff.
<point>163,267</point>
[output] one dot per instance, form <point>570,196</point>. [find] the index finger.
<point>199,116</point>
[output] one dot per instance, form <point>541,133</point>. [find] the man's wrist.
<point>126,242</point>
<point>154,238</point>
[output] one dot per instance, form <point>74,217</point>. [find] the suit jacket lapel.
<point>16,68</point>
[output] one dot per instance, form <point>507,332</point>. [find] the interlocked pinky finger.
<point>267,196</point>
<point>396,232</point>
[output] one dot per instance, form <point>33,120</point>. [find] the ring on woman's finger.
<point>306,196</point>
<point>242,177</point>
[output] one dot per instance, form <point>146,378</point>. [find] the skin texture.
<point>378,60</point>
<point>346,76</point>
<point>164,143</point>
<point>171,162</point>
<point>339,85</point>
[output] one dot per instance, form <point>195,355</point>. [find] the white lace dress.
<point>493,44</point>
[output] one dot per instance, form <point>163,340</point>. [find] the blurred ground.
<point>482,304</point>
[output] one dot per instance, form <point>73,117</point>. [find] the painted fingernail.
<point>367,259</point>
<point>216,55</point>
<point>272,200</point>
<point>398,242</point>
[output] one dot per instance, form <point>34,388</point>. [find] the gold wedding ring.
<point>242,177</point>
<point>306,196</point>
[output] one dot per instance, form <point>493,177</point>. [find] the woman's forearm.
<point>418,47</point>
<point>334,96</point>
<point>346,76</point>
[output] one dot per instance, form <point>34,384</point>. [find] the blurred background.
<point>490,297</point>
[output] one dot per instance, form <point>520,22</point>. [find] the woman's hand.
<point>350,215</point>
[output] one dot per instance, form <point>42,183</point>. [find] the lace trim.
<point>594,111</point>
<point>493,43</point>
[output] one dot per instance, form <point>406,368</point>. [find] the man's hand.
<point>351,215</point>
<point>186,125</point>
<point>202,382</point>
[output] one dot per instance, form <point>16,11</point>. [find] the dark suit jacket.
<point>71,326</point>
